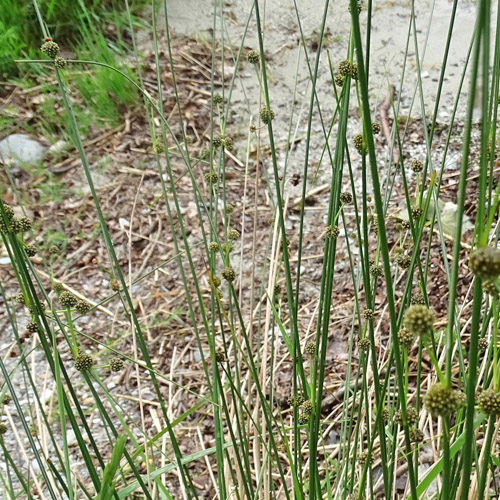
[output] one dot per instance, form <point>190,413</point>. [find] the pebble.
<point>20,149</point>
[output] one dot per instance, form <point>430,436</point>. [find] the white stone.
<point>20,149</point>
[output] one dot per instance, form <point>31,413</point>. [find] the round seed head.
<point>233,235</point>
<point>376,128</point>
<point>357,140</point>
<point>306,407</point>
<point>442,401</point>
<point>416,435</point>
<point>228,143</point>
<point>229,208</point>
<point>60,62</point>
<point>344,68</point>
<point>57,286</point>
<point>32,327</point>
<point>9,212</point>
<point>346,198</point>
<point>304,418</point>
<point>83,307</point>
<point>332,231</point>
<point>3,429</point>
<point>213,246</point>
<point>419,319</point>
<point>363,458</point>
<point>368,313</point>
<point>490,288</point>
<point>217,99</point>
<point>31,250</point>
<point>354,71</point>
<point>228,274</point>
<point>115,365</point>
<point>67,300</point>
<point>416,165</point>
<point>266,115</point>
<point>405,224</point>
<point>253,57</point>
<point>205,153</point>
<point>406,338</point>
<point>364,344</point>
<point>6,399</point>
<point>54,250</point>
<point>310,348</point>
<point>227,247</point>
<point>485,262</point>
<point>403,261</point>
<point>489,402</point>
<point>20,225</point>
<point>416,212</point>
<point>386,414</point>
<point>376,270</point>
<point>50,48</point>
<point>19,298</point>
<point>211,177</point>
<point>220,357</point>
<point>417,299</point>
<point>83,362</point>
<point>483,344</point>
<point>217,142</point>
<point>338,80</point>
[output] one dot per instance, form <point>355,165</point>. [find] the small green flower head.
<point>483,344</point>
<point>58,287</point>
<point>344,68</point>
<point>332,231</point>
<point>228,144</point>
<point>411,416</point>
<point>217,142</point>
<point>363,458</point>
<point>9,212</point>
<point>21,225</point>
<point>485,263</point>
<point>6,399</point>
<point>266,115</point>
<point>54,250</point>
<point>416,212</point>
<point>253,57</point>
<point>114,285</point>
<point>490,288</point>
<point>211,177</point>
<point>489,402</point>
<point>306,407</point>
<point>220,357</point>
<point>67,300</point>
<point>83,362</point>
<point>416,165</point>
<point>416,435</point>
<point>213,246</point>
<point>376,270</point>
<point>406,338</point>
<point>354,71</point>
<point>368,313</point>
<point>346,198</point>
<point>60,62</point>
<point>386,414</point>
<point>376,128</point>
<point>364,344</point>
<point>115,365</point>
<point>19,298</point>
<point>358,142</point>
<point>205,153</point>
<point>310,348</point>
<point>442,401</point>
<point>405,224</point>
<point>233,235</point>
<point>229,209</point>
<point>3,429</point>
<point>217,99</point>
<point>32,327</point>
<point>403,260</point>
<point>83,307</point>
<point>417,299</point>
<point>227,247</point>
<point>228,274</point>
<point>338,80</point>
<point>419,320</point>
<point>50,48</point>
<point>31,250</point>
<point>304,418</point>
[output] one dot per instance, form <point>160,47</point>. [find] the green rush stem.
<point>434,361</point>
<point>483,473</point>
<point>384,247</point>
<point>445,440</point>
<point>494,340</point>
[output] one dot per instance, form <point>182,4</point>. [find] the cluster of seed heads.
<point>211,177</point>
<point>233,235</point>
<point>441,401</point>
<point>376,270</point>
<point>60,62</point>
<point>338,80</point>
<point>19,298</point>
<point>485,262</point>
<point>31,250</point>
<point>50,48</point>
<point>416,212</point>
<point>217,99</point>
<point>83,307</point>
<point>386,414</point>
<point>483,344</point>
<point>489,402</point>
<point>358,142</point>
<point>225,141</point>
<point>306,410</point>
<point>213,246</point>
<point>32,327</point>
<point>403,260</point>
<point>376,128</point>
<point>368,313</point>
<point>418,319</point>
<point>344,68</point>
<point>292,401</point>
